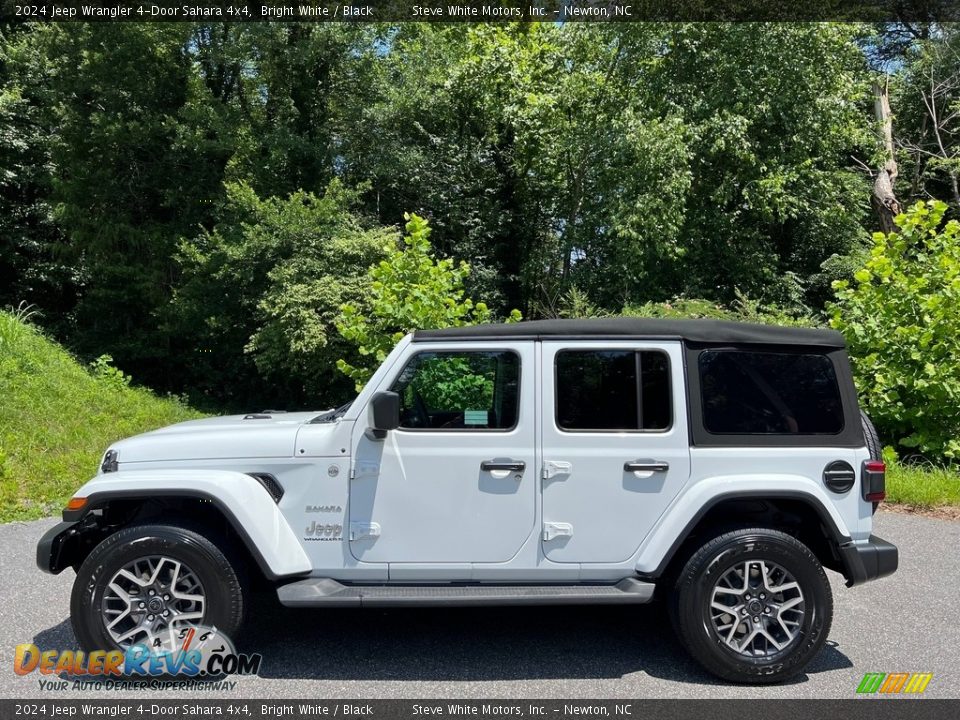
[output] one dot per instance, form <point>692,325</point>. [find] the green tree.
<point>903,330</point>
<point>926,105</point>
<point>409,290</point>
<point>636,161</point>
<point>774,114</point>
<point>127,182</point>
<point>29,270</point>
<point>256,309</point>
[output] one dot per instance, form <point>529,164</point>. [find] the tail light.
<point>873,480</point>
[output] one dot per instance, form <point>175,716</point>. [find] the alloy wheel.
<point>757,608</point>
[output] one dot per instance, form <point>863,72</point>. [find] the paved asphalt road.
<point>908,622</point>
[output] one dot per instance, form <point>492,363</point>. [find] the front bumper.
<point>57,547</point>
<point>867,561</point>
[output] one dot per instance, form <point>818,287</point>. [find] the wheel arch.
<point>795,512</point>
<point>234,506</point>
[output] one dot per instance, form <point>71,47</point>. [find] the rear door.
<point>615,449</point>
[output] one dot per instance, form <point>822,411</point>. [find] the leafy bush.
<point>743,309</point>
<point>103,369</point>
<point>410,290</point>
<point>454,382</point>
<point>900,318</point>
<point>261,291</point>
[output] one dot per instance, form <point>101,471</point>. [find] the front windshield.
<point>332,415</point>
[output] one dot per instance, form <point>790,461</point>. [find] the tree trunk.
<point>883,199</point>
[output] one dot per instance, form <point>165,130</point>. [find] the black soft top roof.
<point>699,331</point>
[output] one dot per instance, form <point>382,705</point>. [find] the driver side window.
<point>459,391</point>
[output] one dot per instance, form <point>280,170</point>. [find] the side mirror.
<point>384,413</point>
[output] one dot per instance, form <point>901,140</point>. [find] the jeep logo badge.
<point>321,530</point>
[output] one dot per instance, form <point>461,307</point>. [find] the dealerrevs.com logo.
<point>185,653</point>
<point>894,683</point>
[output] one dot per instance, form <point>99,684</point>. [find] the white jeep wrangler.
<point>719,464</point>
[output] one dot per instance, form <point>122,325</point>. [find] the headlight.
<point>109,463</point>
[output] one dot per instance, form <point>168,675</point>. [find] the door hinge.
<point>359,531</point>
<point>555,468</point>
<point>553,530</point>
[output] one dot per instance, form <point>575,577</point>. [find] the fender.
<point>678,520</point>
<point>243,500</point>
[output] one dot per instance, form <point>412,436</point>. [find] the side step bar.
<point>316,592</point>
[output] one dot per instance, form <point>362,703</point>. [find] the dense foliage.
<point>408,290</point>
<point>259,295</point>
<point>199,200</point>
<point>899,315</point>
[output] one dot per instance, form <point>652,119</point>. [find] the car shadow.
<point>58,637</point>
<point>480,644</point>
<point>467,644</point>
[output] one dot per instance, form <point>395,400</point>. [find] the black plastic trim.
<point>875,559</point>
<point>839,476</point>
<point>97,499</point>
<point>110,463</point>
<point>51,546</point>
<point>270,484</point>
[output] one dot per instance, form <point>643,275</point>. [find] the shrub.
<point>899,315</point>
<point>103,369</point>
<point>410,290</point>
<point>743,309</point>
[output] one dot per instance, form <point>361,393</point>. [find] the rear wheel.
<point>753,606</point>
<point>145,583</point>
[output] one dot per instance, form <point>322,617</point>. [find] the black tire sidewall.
<point>870,437</point>
<point>223,591</point>
<point>695,592</point>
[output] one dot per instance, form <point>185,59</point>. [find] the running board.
<point>315,592</point>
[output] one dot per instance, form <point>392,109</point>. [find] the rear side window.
<point>612,390</point>
<point>769,393</point>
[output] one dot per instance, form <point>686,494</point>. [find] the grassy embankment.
<point>57,417</point>
<point>923,486</point>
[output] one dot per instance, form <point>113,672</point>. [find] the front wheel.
<point>753,606</point>
<point>145,583</point>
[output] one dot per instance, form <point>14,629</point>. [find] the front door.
<point>456,482</point>
<point>615,447</point>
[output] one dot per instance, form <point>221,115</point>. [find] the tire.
<point>870,437</point>
<point>222,585</point>
<point>704,631</point>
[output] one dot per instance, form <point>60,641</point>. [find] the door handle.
<point>512,465</point>
<point>646,466</point>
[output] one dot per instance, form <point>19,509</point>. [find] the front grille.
<point>270,484</point>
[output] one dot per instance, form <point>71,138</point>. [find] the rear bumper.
<point>867,561</point>
<point>55,549</point>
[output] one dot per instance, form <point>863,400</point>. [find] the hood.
<point>231,436</point>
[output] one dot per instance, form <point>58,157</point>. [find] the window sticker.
<point>476,417</point>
